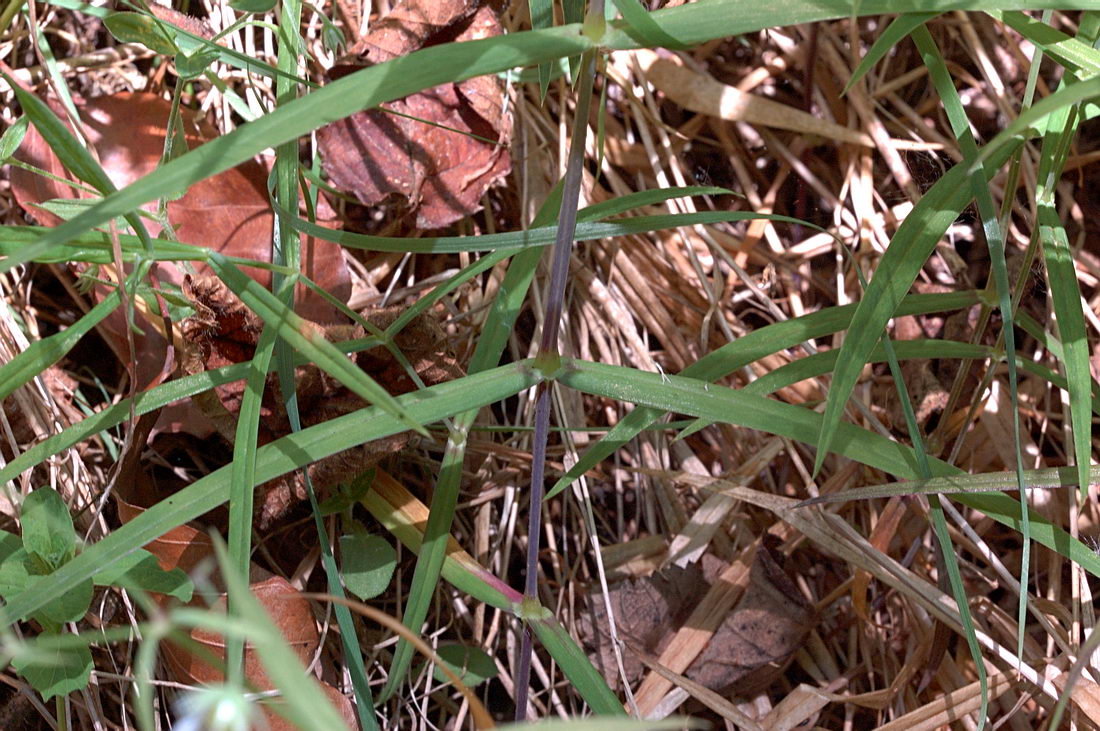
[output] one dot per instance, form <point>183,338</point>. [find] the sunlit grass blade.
<point>1065,293</point>
<point>746,349</point>
<point>41,354</point>
<point>541,236</point>
<point>1049,478</point>
<point>641,26</point>
<point>1073,53</point>
<point>279,457</point>
<point>542,16</point>
<point>721,404</point>
<point>495,331</point>
<point>894,34</point>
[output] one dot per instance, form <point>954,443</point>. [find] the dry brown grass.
<point>657,303</point>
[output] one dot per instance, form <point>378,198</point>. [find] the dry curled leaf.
<point>223,331</point>
<point>439,149</point>
<point>747,651</point>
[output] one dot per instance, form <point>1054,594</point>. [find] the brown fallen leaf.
<point>185,547</point>
<point>420,148</point>
<point>747,652</point>
<point>228,212</point>
<point>223,331</point>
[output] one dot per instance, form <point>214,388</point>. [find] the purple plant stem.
<point>548,346</point>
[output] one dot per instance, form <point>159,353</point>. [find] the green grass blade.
<point>1073,53</point>
<point>745,350</point>
<point>279,457</point>
<point>720,404</point>
<point>540,236</point>
<point>309,342</point>
<point>641,26</point>
<point>911,245</point>
<point>43,353</point>
<point>469,577</point>
<point>894,34</point>
<point>542,17</point>
<point>242,479</point>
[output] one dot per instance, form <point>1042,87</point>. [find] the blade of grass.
<point>746,349</point>
<point>43,353</point>
<point>494,337</point>
<point>535,236</point>
<point>274,459</point>
<point>899,28</point>
<point>726,405</point>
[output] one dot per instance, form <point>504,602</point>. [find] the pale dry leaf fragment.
<point>704,94</point>
<point>748,650</point>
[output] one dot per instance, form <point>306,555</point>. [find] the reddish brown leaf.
<point>185,547</point>
<point>435,165</point>
<point>228,212</point>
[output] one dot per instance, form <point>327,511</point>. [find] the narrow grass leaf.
<point>41,354</point>
<point>279,457</point>
<point>894,34</point>
<point>721,404</point>
<point>306,340</point>
<point>744,350</point>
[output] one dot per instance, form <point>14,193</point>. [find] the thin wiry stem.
<point>548,346</point>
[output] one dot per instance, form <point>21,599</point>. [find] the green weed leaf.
<point>54,671</point>
<point>367,564</point>
<point>471,664</point>
<point>48,527</point>
<point>143,29</point>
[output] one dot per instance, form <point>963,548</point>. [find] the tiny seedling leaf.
<point>13,138</point>
<point>54,671</point>
<point>252,6</point>
<point>141,28</point>
<point>194,64</point>
<point>140,570</point>
<point>471,664</point>
<point>48,527</point>
<point>368,563</point>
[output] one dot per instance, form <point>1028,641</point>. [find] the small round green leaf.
<point>54,671</point>
<point>48,527</point>
<point>472,664</point>
<point>70,606</point>
<point>252,6</point>
<point>194,64</point>
<point>140,570</point>
<point>367,564</point>
<point>144,29</point>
